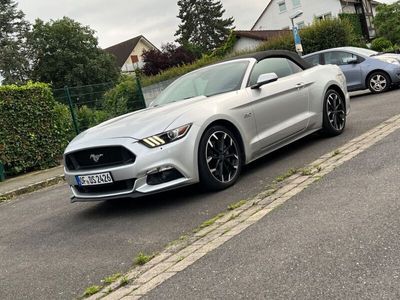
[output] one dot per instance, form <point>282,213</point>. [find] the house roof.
<point>122,50</point>
<point>262,35</point>
<point>262,14</point>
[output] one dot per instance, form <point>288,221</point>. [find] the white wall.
<point>141,46</point>
<point>274,19</point>
<point>245,43</point>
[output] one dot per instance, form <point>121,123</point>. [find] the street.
<point>50,248</point>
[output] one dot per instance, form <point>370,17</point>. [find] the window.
<point>282,6</point>
<point>313,59</point>
<point>296,3</point>
<point>324,16</point>
<point>338,57</point>
<point>301,25</point>
<point>281,66</point>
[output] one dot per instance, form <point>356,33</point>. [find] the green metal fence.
<point>2,172</point>
<point>90,105</point>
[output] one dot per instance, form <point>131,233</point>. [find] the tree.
<point>387,21</point>
<point>66,53</point>
<point>202,27</point>
<point>169,56</point>
<point>14,65</point>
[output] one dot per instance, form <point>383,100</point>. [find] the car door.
<point>280,107</point>
<point>349,63</point>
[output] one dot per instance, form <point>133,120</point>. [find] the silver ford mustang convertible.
<point>206,125</point>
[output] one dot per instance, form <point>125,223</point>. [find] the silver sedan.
<point>363,68</point>
<point>206,125</point>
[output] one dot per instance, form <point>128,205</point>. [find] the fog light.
<point>163,176</point>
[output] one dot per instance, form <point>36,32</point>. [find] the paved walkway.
<point>31,180</point>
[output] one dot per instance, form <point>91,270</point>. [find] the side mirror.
<point>351,60</point>
<point>264,79</point>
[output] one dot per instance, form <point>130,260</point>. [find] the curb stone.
<point>181,255</point>
<point>31,188</point>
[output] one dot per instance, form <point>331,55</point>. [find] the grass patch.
<point>124,281</point>
<point>142,259</point>
<point>237,204</point>
<point>305,172</point>
<point>289,173</point>
<point>210,221</point>
<point>91,290</point>
<point>112,278</point>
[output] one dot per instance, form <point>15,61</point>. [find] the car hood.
<point>139,124</point>
<point>388,55</point>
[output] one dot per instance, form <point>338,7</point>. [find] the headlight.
<point>390,60</point>
<point>166,137</point>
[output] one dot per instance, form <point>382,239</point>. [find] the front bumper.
<point>178,155</point>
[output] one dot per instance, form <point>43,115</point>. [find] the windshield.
<point>209,81</point>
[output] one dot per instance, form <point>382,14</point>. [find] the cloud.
<point>119,20</point>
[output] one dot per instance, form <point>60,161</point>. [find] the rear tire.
<point>219,158</point>
<point>334,113</point>
<point>378,82</point>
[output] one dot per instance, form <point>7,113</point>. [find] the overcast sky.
<point>119,20</point>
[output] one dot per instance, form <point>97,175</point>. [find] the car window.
<point>338,57</point>
<point>279,65</point>
<point>313,59</point>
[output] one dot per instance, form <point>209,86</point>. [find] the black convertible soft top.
<point>276,53</point>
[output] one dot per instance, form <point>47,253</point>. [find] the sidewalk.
<point>30,182</point>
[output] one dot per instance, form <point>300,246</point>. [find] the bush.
<point>88,117</point>
<point>123,98</point>
<point>354,20</point>
<point>381,44</point>
<point>33,129</point>
<point>322,34</point>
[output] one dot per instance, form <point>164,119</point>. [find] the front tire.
<point>334,113</point>
<point>378,82</point>
<point>220,158</point>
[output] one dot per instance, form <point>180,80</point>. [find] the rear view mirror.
<point>264,79</point>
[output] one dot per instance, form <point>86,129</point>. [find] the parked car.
<point>363,68</point>
<point>206,125</point>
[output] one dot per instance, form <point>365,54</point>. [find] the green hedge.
<point>34,129</point>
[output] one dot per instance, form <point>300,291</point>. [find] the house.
<point>129,53</point>
<point>277,13</point>
<point>250,39</point>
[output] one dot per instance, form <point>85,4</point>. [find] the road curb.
<point>176,258</point>
<point>31,188</point>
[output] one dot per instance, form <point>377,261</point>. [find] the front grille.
<point>100,157</point>
<point>115,187</point>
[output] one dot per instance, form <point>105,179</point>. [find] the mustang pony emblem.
<point>95,157</point>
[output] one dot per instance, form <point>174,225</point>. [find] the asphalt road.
<point>338,239</point>
<point>50,248</point>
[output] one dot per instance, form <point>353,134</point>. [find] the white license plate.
<point>94,179</point>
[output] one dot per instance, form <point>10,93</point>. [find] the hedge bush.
<point>381,44</point>
<point>123,98</point>
<point>33,128</point>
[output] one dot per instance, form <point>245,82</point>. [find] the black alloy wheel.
<point>220,158</point>
<point>334,113</point>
